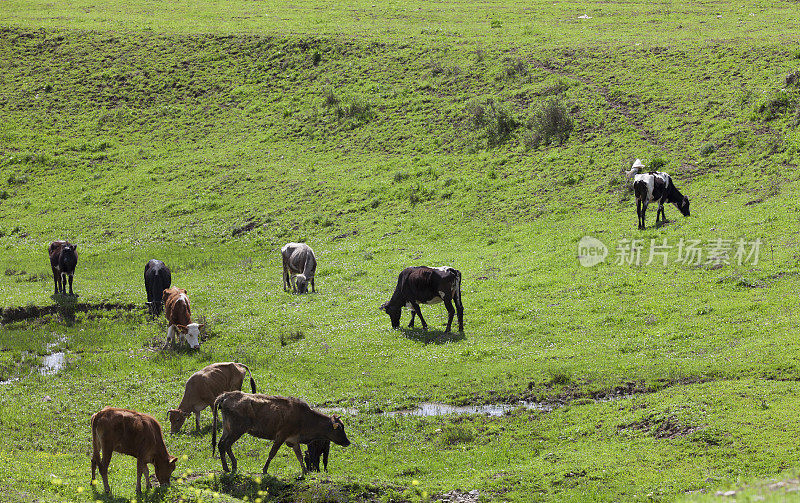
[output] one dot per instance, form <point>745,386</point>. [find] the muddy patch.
<point>64,309</point>
<point>661,427</point>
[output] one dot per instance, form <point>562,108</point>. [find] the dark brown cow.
<point>204,386</point>
<point>135,434</point>
<point>316,449</point>
<point>63,259</point>
<point>179,317</point>
<point>275,418</point>
<point>426,285</point>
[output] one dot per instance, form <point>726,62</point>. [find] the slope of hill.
<point>210,143</point>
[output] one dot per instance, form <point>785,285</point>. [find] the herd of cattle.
<point>280,419</point>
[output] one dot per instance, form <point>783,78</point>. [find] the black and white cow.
<point>157,278</point>
<point>657,186</point>
<point>426,285</point>
<point>63,259</point>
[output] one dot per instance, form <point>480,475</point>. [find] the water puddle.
<point>52,363</point>
<point>429,409</point>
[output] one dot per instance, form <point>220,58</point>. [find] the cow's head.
<point>176,419</point>
<point>164,470</point>
<point>394,313</point>
<point>336,433</point>
<point>191,333</point>
<point>301,283</point>
<point>684,206</point>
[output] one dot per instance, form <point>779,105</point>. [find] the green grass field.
<point>387,135</point>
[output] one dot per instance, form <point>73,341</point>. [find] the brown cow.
<point>135,434</point>
<point>204,386</point>
<point>179,317</point>
<point>276,418</point>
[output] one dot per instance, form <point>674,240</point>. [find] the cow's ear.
<point>201,326</point>
<point>183,290</point>
<point>173,461</point>
<point>75,247</point>
<point>183,329</point>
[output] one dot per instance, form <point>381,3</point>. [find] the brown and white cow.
<point>135,434</point>
<point>282,419</point>
<point>426,285</point>
<point>298,260</point>
<point>179,317</point>
<point>204,386</point>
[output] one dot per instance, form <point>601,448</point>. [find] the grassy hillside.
<point>212,137</point>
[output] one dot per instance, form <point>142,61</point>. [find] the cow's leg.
<point>299,453</point>
<point>141,469</point>
<point>226,447</point>
<point>103,466</point>
<point>276,444</point>
<point>70,285</point>
<point>661,211</point>
<point>56,280</point>
<point>170,332</point>
<point>415,307</point>
<point>313,290</point>
<point>459,311</point>
<point>411,323</point>
<point>450,313</point>
<point>197,420</point>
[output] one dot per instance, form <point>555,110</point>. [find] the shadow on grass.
<point>155,495</point>
<point>431,336</point>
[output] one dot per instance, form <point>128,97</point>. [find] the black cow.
<point>657,186</point>
<point>63,259</point>
<point>316,449</point>
<point>157,278</point>
<point>426,285</point>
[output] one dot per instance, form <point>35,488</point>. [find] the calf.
<point>157,278</point>
<point>657,186</point>
<point>179,314</point>
<point>427,285</point>
<point>63,259</point>
<point>204,386</point>
<point>274,418</point>
<point>135,434</point>
<point>299,259</point>
<point>316,449</point>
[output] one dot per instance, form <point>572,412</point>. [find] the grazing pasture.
<point>389,135</point>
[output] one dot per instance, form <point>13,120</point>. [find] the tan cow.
<point>204,386</point>
<point>179,317</point>
<point>275,418</point>
<point>135,434</point>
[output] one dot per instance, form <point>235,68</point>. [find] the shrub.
<point>494,119</point>
<point>707,149</point>
<point>550,122</point>
<point>773,107</point>
<point>656,164</point>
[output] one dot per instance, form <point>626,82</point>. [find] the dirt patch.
<point>65,309</point>
<point>661,427</point>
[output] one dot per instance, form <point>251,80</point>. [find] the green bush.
<point>494,119</point>
<point>551,122</point>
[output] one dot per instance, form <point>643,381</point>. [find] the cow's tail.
<point>214,423</point>
<point>252,381</point>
